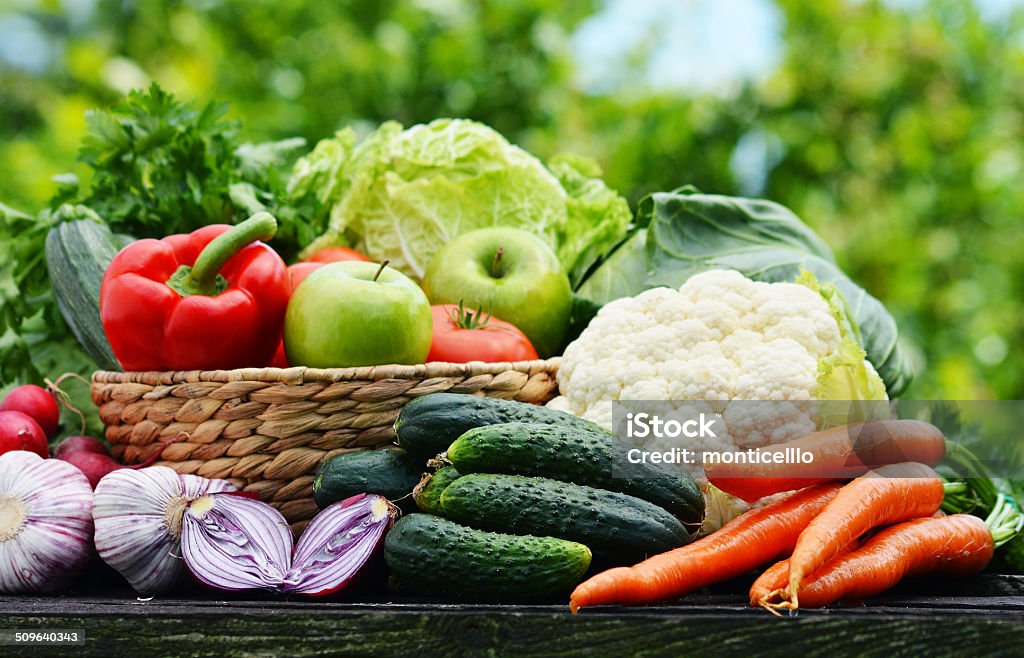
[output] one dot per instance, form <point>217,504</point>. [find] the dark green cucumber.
<point>427,493</point>
<point>592,458</point>
<point>432,555</point>
<point>619,529</point>
<point>77,255</point>
<point>389,473</point>
<point>427,425</point>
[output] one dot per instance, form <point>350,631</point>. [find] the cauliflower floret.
<point>600,413</point>
<point>756,423</point>
<point>560,403</point>
<point>780,370</point>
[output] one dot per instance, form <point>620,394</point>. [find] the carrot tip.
<point>775,607</point>
<point>573,607</point>
<point>779,599</point>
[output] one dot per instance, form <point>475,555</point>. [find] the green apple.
<point>511,273</point>
<point>356,313</point>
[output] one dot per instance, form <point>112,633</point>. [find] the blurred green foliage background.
<point>896,129</point>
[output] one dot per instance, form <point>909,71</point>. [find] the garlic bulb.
<point>45,523</point>
<point>138,518</point>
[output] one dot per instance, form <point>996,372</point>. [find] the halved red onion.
<point>235,543</point>
<point>337,543</point>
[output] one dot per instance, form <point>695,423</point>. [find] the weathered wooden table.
<point>983,615</point>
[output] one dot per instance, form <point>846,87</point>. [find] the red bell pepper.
<point>208,300</point>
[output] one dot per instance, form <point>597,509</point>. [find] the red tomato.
<point>335,254</point>
<point>298,272</point>
<point>461,336</point>
<point>35,402</point>
<point>19,431</point>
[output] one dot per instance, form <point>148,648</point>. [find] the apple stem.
<point>495,272</point>
<point>381,269</point>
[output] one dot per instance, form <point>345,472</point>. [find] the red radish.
<point>74,444</point>
<point>35,402</point>
<point>93,465</point>
<point>96,465</point>
<point>20,431</point>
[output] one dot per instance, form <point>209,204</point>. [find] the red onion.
<point>338,542</point>
<point>235,544</point>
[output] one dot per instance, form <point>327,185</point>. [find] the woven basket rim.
<point>302,375</point>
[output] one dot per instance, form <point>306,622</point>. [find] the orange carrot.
<point>776,576</point>
<point>886,495</point>
<point>748,541</point>
<point>958,545</point>
<point>838,453</point>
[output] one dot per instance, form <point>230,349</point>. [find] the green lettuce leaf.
<point>598,217</point>
<point>844,375</point>
<point>402,194</point>
<point>688,232</point>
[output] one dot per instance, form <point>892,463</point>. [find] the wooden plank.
<point>982,615</point>
<point>713,625</point>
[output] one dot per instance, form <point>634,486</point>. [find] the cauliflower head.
<point>721,337</point>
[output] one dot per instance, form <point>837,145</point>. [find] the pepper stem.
<point>203,277</point>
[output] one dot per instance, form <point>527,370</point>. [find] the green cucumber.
<point>77,255</point>
<point>434,556</point>
<point>427,493</point>
<point>592,458</point>
<point>389,473</point>
<point>619,529</point>
<point>427,425</point>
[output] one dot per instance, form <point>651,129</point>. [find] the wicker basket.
<point>267,429</point>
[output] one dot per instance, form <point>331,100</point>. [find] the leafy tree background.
<point>894,129</point>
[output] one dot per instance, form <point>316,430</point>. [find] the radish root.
<point>62,396</point>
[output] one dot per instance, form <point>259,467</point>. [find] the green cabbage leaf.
<point>684,232</point>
